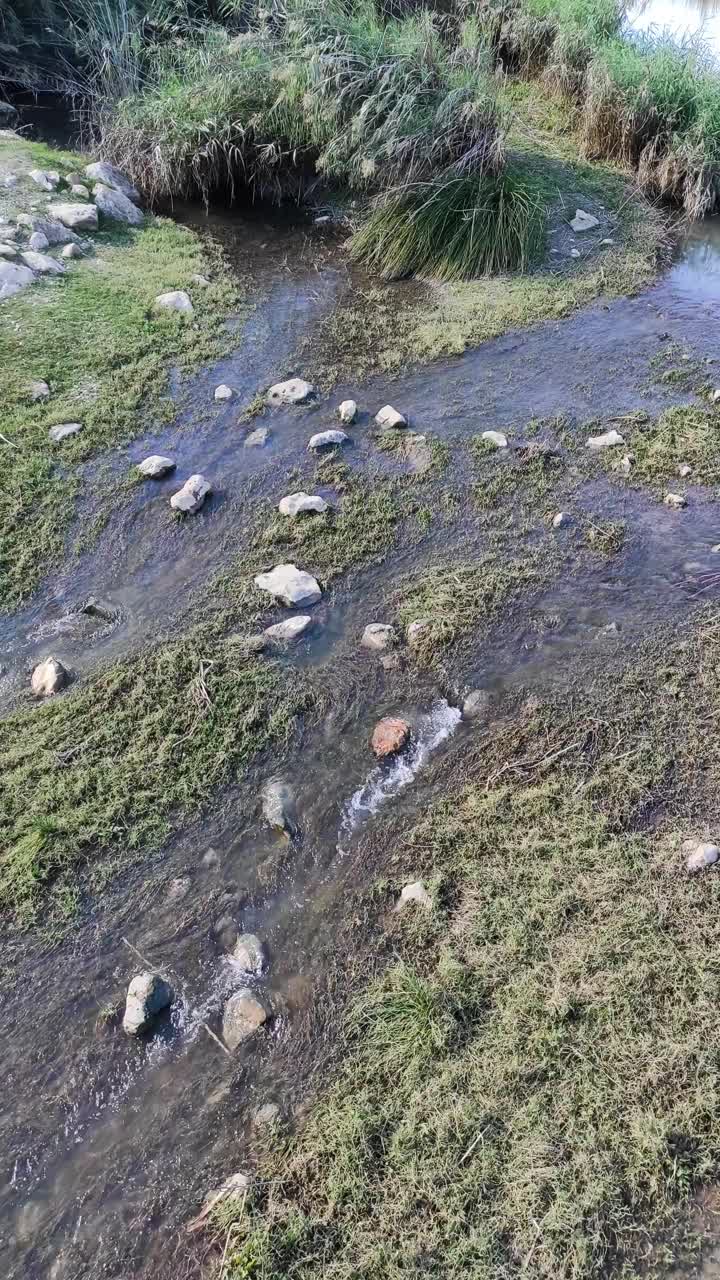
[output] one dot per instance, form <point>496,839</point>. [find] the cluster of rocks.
<point>101,194</point>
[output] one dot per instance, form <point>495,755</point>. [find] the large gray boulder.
<point>116,207</point>
<point>148,994</point>
<point>293,587</point>
<point>54,231</point>
<point>42,264</point>
<point>45,179</point>
<point>244,1014</point>
<point>13,278</point>
<point>109,176</point>
<point>78,217</point>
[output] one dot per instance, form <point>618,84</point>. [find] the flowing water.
<point>108,1146</point>
<point>683,19</point>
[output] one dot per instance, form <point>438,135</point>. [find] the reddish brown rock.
<point>389,736</point>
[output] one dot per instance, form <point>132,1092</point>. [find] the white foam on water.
<point>387,781</point>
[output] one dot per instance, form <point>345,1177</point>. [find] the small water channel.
<point>109,1146</point>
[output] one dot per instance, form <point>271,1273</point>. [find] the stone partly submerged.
<point>256,439</point>
<point>244,1014</point>
<point>278,806</point>
<point>497,439</point>
<point>191,497</point>
<point>297,504</point>
<point>155,467</point>
<point>293,391</point>
<point>293,587</point>
<point>379,636</point>
<point>223,392</point>
<point>234,1189</point>
<point>147,996</point>
<point>607,440</point>
<point>48,678</point>
<point>328,440</point>
<point>390,736</point>
<point>284,634</point>
<point>250,954</point>
<point>675,500</point>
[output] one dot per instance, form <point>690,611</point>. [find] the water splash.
<point>386,781</point>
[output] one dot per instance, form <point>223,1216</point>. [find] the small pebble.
<point>562,520</point>
<point>703,855</point>
<point>684,471</point>
<point>223,392</point>
<point>675,500</point>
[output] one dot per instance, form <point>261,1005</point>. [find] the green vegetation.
<point>92,337</point>
<point>529,1088</point>
<point>683,435</point>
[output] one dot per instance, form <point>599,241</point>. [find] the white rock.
<point>684,471</point>
<point>175,300</point>
<point>71,251</point>
<point>296,504</point>
<point>109,176</point>
<point>675,500</point>
<point>49,677</point>
<point>293,391</point>
<point>257,439</point>
<point>78,217</point>
<point>415,631</point>
<point>562,520</point>
<point>116,207</point>
<point>13,278</point>
<point>249,954</point>
<point>347,412</point>
<point>245,1012</point>
<point>328,439</point>
<point>415,892</point>
<point>389,418</point>
<point>583,221</point>
<point>291,586</point>
<point>379,636</point>
<point>605,244</point>
<point>148,994</point>
<point>64,429</point>
<point>46,180</point>
<point>496,438</point>
<point>703,855</point>
<point>192,495</point>
<point>42,264</point>
<point>38,242</point>
<point>156,466</point>
<point>605,441</point>
<point>575,253</point>
<point>716,549</point>
<point>79,190</point>
<point>290,631</point>
<point>38,391</point>
<point>716,395</point>
<point>223,392</point>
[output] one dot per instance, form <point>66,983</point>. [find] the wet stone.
<point>267,1116</point>
<point>390,735</point>
<point>414,893</point>
<point>191,497</point>
<point>257,439</point>
<point>48,678</point>
<point>289,632</point>
<point>226,932</point>
<point>328,440</point>
<point>245,1013</point>
<point>178,889</point>
<point>293,391</point>
<point>347,412</point>
<point>250,954</point>
<point>389,419</point>
<point>607,440</point>
<point>675,500</point>
<point>476,704</point>
<point>496,438</point>
<point>156,466</point>
<point>223,392</point>
<point>148,994</point>
<point>379,636</point>
<point>293,587</point>
<point>278,806</point>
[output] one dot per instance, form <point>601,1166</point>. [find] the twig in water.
<point>217,1039</point>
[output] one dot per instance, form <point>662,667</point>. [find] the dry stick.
<point>204,1024</point>
<point>6,441</point>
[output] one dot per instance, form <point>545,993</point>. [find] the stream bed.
<point>108,1146</point>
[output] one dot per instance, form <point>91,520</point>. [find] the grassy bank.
<point>92,337</point>
<point>528,1087</point>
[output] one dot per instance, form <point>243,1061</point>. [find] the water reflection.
<point>683,19</point>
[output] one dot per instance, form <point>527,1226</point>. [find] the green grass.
<point>93,338</point>
<point>530,1087</point>
<point>683,434</point>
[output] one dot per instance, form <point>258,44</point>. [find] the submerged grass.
<point>685,435</point>
<point>530,1090</point>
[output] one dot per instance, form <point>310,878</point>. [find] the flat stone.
<point>584,221</point>
<point>290,631</point>
<point>175,300</point>
<point>38,242</point>
<point>156,466</point>
<point>245,1013</point>
<point>414,893</point>
<point>702,856</point>
<point>415,631</point>
<point>390,419</point>
<point>13,278</point>
<point>496,438</point>
<point>223,392</point>
<point>293,391</point>
<point>607,440</point>
<point>55,232</point>
<point>379,636</point>
<point>250,954</point>
<point>79,190</point>
<point>63,430</point>
<point>109,176</point>
<point>389,736</point>
<point>684,471</point>
<point>347,412</point>
<point>78,217</point>
<point>49,677</point>
<point>42,264</point>
<point>192,495</point>
<point>562,520</point>
<point>296,504</point>
<point>147,996</point>
<point>115,207</point>
<point>278,806</point>
<point>257,439</point>
<point>476,704</point>
<point>45,179</point>
<point>39,391</point>
<point>291,586</point>
<point>328,439</point>
<point>675,500</point>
